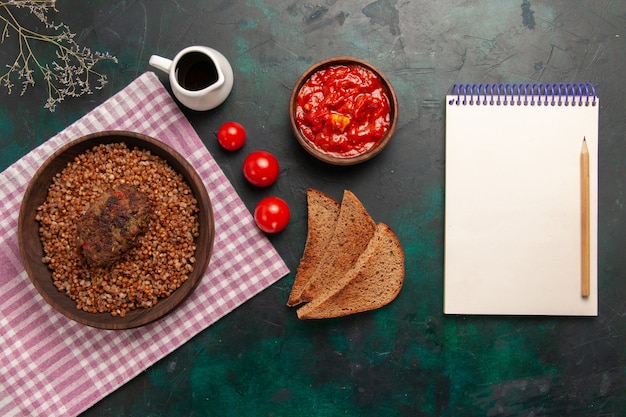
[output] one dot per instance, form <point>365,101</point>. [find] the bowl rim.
<point>333,159</point>
<point>31,255</point>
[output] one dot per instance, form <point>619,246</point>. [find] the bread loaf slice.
<point>374,281</point>
<point>323,212</point>
<point>352,234</point>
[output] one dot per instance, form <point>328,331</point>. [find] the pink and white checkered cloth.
<point>52,366</point>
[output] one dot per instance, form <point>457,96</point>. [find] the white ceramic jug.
<point>201,77</point>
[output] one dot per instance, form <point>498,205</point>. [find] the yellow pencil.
<point>584,204</point>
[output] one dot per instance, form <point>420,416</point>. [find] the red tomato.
<point>231,135</point>
<point>261,168</point>
<point>272,214</point>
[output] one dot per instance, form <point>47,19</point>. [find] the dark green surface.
<point>406,359</point>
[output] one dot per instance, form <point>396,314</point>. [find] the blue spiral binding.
<point>583,94</point>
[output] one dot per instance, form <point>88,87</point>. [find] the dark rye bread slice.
<point>374,281</point>
<point>353,232</point>
<point>323,212</point>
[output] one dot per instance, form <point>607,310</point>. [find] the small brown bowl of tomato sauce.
<point>343,110</point>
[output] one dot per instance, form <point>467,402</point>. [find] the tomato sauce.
<point>343,110</point>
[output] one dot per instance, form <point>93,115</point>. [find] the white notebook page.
<point>513,209</point>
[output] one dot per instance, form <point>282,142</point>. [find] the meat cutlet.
<point>112,225</point>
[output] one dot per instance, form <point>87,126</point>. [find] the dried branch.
<point>70,73</point>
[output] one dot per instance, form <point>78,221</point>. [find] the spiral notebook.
<point>521,200</point>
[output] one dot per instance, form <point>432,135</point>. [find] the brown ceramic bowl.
<point>334,158</point>
<point>31,247</point>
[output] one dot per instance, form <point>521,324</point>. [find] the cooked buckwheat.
<point>164,256</point>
